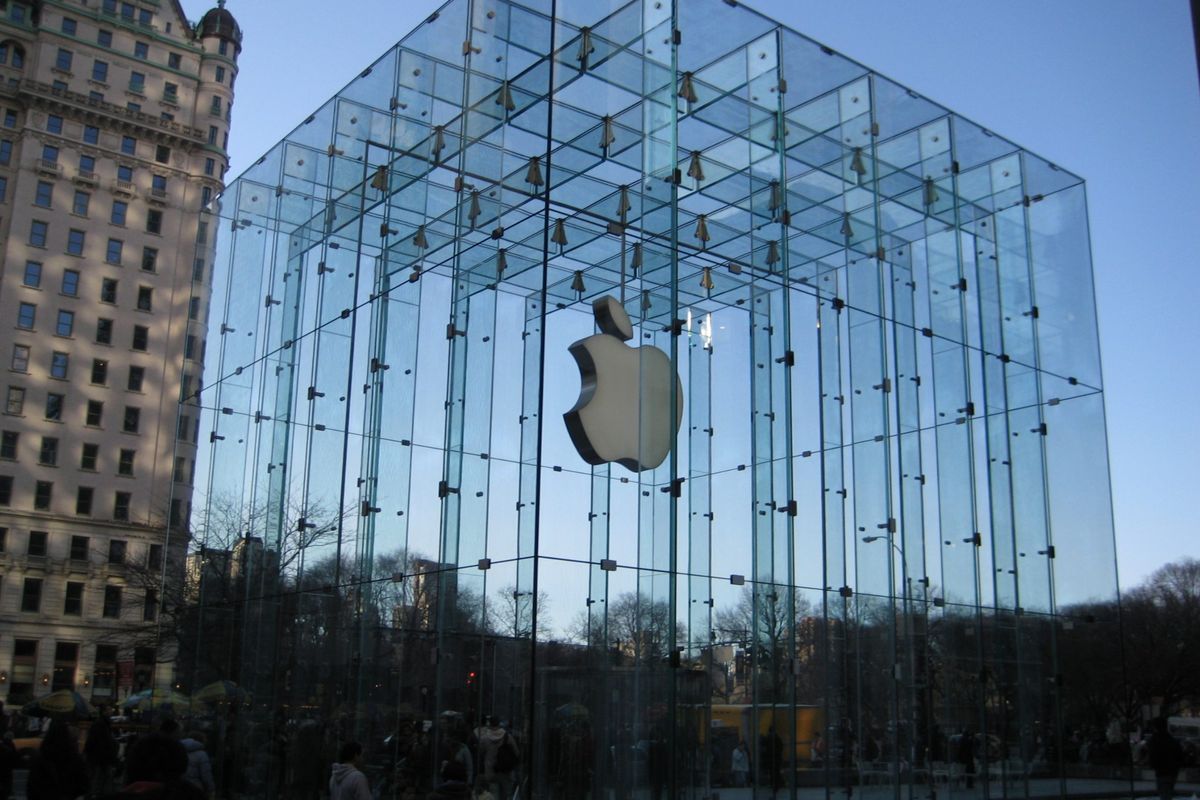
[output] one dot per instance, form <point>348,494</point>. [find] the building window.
<point>6,484</point>
<point>3,189</point>
<point>60,363</point>
<point>205,196</point>
<point>37,233</point>
<point>68,26</point>
<point>121,507</point>
<point>83,501</point>
<point>182,428</point>
<point>3,540</point>
<point>180,474</point>
<point>70,283</point>
<point>174,60</point>
<point>104,38</point>
<point>212,134</point>
<point>124,173</point>
<point>65,324</point>
<point>6,152</point>
<point>154,556</point>
<point>158,184</point>
<point>149,259</point>
<point>31,598</point>
<point>220,75</point>
<point>95,413</point>
<point>89,457</point>
<point>120,210</point>
<point>26,316</point>
<point>73,603</point>
<point>128,145</point>
<point>66,660</point>
<point>48,454</point>
<point>76,239</point>
<point>20,358</point>
<point>99,371</point>
<point>162,154</point>
<point>132,106</point>
<point>137,83</point>
<point>63,60</point>
<point>50,154</point>
<point>125,462</point>
<point>145,298</point>
<point>194,308</point>
<point>87,165</point>
<point>10,118</point>
<point>104,330</point>
<point>44,195</point>
<point>145,16</point>
<point>150,606</point>
<point>141,50</point>
<point>43,494</point>
<point>79,548</point>
<point>116,551</point>
<point>33,274</point>
<point>132,419</point>
<point>54,124</point>
<point>198,270</point>
<point>37,544</point>
<point>170,93</point>
<point>105,672</point>
<point>113,253</point>
<point>54,406</point>
<point>154,221</point>
<point>14,401</point>
<point>141,338</point>
<point>8,444</point>
<point>210,166</point>
<point>214,106</point>
<point>223,47</point>
<point>108,290</point>
<point>82,200</point>
<point>137,376</point>
<point>112,602</point>
<point>17,59</point>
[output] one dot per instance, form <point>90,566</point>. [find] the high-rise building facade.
<point>113,147</point>
<point>653,378</point>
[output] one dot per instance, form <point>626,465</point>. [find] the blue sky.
<point>1106,88</point>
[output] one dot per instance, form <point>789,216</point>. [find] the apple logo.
<point>623,413</point>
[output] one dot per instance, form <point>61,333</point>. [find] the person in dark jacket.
<point>453,784</point>
<point>58,771</point>
<point>100,754</point>
<point>1165,755</point>
<point>154,771</point>
<point>8,762</point>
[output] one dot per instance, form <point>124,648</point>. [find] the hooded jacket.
<point>347,783</point>
<point>199,769</point>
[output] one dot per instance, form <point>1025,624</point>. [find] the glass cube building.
<point>868,545</point>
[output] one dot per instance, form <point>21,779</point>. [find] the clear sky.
<point>1105,88</point>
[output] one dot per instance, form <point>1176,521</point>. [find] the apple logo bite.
<point>623,413</point>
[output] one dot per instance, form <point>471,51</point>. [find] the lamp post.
<point>907,612</point>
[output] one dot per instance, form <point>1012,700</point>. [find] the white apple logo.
<point>623,413</point>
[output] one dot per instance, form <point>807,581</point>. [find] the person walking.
<point>498,756</point>
<point>739,764</point>
<point>100,754</point>
<point>199,768</point>
<point>58,772</point>
<point>348,781</point>
<point>1165,755</point>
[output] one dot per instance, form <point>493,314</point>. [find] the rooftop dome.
<point>219,22</point>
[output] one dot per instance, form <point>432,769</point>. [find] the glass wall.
<point>866,555</point>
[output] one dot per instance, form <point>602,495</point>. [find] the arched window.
<point>12,54</point>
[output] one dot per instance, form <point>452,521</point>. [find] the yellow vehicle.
<point>810,720</point>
